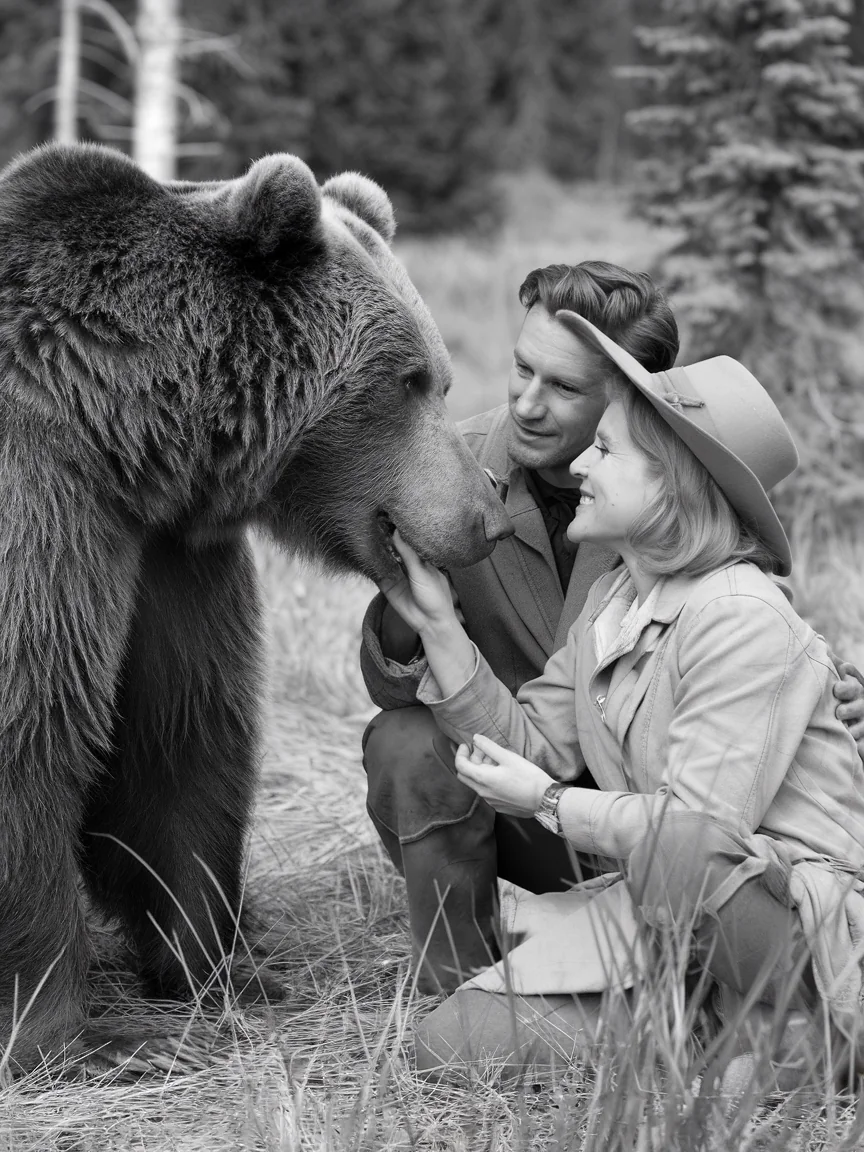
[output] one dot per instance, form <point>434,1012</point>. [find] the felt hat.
<point>726,419</point>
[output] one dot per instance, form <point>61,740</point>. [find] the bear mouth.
<point>386,528</point>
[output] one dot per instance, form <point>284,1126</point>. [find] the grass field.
<point>330,1069</point>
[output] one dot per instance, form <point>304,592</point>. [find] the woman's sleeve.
<point>746,695</point>
<point>539,723</point>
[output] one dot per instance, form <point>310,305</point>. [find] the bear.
<point>179,363</point>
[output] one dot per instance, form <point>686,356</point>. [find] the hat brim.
<point>737,481</point>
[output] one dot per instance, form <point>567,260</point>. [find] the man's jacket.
<point>514,607</point>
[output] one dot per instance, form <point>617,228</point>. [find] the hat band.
<point>678,391</point>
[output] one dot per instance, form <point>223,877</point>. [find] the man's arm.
<point>399,641</point>
<point>849,690</point>
<point>391,657</point>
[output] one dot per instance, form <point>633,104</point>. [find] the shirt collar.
<point>668,601</point>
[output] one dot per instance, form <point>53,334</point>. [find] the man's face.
<point>556,397</point>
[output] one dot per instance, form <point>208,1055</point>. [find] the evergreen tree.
<point>400,89</point>
<point>753,130</point>
<point>586,42</point>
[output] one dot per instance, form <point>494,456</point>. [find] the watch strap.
<point>547,810</point>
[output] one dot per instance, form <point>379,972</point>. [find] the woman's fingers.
<point>474,754</point>
<point>412,560</point>
<point>515,787</point>
<point>475,775</point>
<point>494,752</point>
<point>463,761</point>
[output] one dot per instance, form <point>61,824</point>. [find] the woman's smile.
<point>616,484</point>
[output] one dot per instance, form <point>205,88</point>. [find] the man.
<point>518,606</point>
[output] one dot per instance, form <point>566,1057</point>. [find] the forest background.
<point>736,124</point>
<point>432,98</point>
<point>718,144</point>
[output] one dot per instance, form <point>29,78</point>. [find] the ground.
<point>330,1069</point>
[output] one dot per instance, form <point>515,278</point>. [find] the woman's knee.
<point>673,870</point>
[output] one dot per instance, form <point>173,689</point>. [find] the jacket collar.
<point>527,518</point>
<point>520,504</point>
<point>543,607</point>
<point>533,568</point>
<point>671,598</point>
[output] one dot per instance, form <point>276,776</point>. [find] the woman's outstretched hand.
<point>421,594</point>
<point>508,782</point>
<point>424,599</point>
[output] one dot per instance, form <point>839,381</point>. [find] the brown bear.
<point>179,362</point>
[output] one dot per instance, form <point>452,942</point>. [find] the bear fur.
<point>177,363</point>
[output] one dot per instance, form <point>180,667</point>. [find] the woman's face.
<point>616,485</point>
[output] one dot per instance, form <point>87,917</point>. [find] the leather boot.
<point>452,906</point>
<point>441,837</point>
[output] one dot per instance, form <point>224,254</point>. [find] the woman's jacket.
<point>722,703</point>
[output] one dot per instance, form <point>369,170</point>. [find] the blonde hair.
<point>689,528</point>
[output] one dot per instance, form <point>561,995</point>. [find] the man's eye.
<point>522,369</point>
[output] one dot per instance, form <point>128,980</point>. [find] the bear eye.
<point>417,381</point>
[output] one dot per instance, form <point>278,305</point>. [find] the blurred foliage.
<point>431,97</point>
<point>753,123</point>
<point>402,89</point>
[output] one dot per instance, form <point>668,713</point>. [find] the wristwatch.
<point>547,811</point>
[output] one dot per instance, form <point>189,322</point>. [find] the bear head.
<point>238,352</point>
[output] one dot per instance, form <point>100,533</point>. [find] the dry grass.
<point>330,1068</point>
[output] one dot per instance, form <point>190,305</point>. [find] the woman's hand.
<point>423,598</point>
<point>421,594</point>
<point>508,782</point>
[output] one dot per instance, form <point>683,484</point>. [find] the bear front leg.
<point>176,802</point>
<point>67,572</point>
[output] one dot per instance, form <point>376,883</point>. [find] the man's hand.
<point>849,690</point>
<point>508,782</point>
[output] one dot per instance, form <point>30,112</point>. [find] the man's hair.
<point>689,528</point>
<point>628,307</point>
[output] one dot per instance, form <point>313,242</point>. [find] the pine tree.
<point>753,133</point>
<point>400,89</point>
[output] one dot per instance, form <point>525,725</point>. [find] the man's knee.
<point>409,765</point>
<point>400,734</point>
<point>673,871</point>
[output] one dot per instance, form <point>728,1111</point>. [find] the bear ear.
<point>365,199</point>
<point>277,205</point>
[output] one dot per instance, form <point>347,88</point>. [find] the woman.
<point>729,791</point>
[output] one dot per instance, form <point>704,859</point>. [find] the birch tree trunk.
<point>68,73</point>
<point>154,131</point>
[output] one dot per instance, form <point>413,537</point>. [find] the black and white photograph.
<point>431,575</point>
